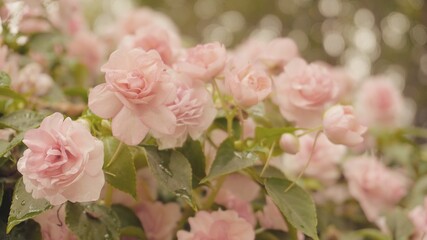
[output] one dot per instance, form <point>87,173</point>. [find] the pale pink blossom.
<point>220,225</point>
<point>289,143</point>
<point>237,193</point>
<point>303,91</point>
<point>418,216</point>
<point>144,18</point>
<point>376,187</point>
<point>52,224</point>
<point>193,109</point>
<point>278,52</point>
<point>135,95</point>
<point>32,80</point>
<point>249,127</point>
<point>270,217</point>
<point>342,127</point>
<point>70,18</point>
<point>203,62</point>
<point>88,49</point>
<point>63,162</point>
<point>325,158</point>
<point>159,220</point>
<point>32,20</point>
<point>380,103</point>
<point>248,85</point>
<point>166,43</point>
<point>248,52</point>
<point>344,81</point>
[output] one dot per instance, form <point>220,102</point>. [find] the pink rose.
<point>63,162</point>
<point>376,187</point>
<point>203,62</point>
<point>324,160</point>
<point>193,109</point>
<point>380,103</point>
<point>249,127</point>
<point>32,20</point>
<point>52,224</point>
<point>145,18</point>
<point>237,193</point>
<point>166,43</point>
<point>303,91</point>
<point>418,216</point>
<point>248,52</point>
<point>289,143</point>
<point>88,49</point>
<point>270,217</point>
<point>32,80</point>
<point>135,95</point>
<point>278,52</point>
<point>341,126</point>
<point>248,85</point>
<point>218,225</point>
<point>159,220</point>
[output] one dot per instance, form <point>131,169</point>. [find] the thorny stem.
<point>228,115</point>
<point>108,195</point>
<point>308,162</point>
<point>267,162</point>
<point>210,200</point>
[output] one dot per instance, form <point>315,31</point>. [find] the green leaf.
<point>7,92</point>
<point>23,120</point>
<point>221,123</point>
<point>193,151</point>
<point>4,79</point>
<point>366,234</point>
<point>77,92</point>
<point>90,221</point>
<point>400,226</point>
<point>271,135</point>
<point>5,147</point>
<point>126,216</point>
<point>173,170</point>
<point>119,167</point>
<point>24,206</point>
<point>27,230</point>
<point>295,204</point>
<point>227,160</point>
<point>130,225</point>
<point>131,231</point>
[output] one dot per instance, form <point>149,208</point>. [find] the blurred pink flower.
<point>376,187</point>
<point>278,52</point>
<point>63,162</point>
<point>31,80</point>
<point>145,18</point>
<point>249,127</point>
<point>194,112</point>
<point>270,217</point>
<point>341,126</point>
<point>248,85</point>
<point>380,103</point>
<point>324,162</point>
<point>237,193</point>
<point>135,95</point>
<point>418,216</point>
<point>289,143</point>
<point>202,62</point>
<point>303,91</point>
<point>218,225</point>
<point>159,220</point>
<point>52,224</point>
<point>88,49</point>
<point>166,43</point>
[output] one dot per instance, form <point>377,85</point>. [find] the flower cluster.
<point>133,132</point>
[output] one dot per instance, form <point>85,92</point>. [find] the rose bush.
<point>126,130</point>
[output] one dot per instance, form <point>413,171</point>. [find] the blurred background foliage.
<point>367,37</point>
